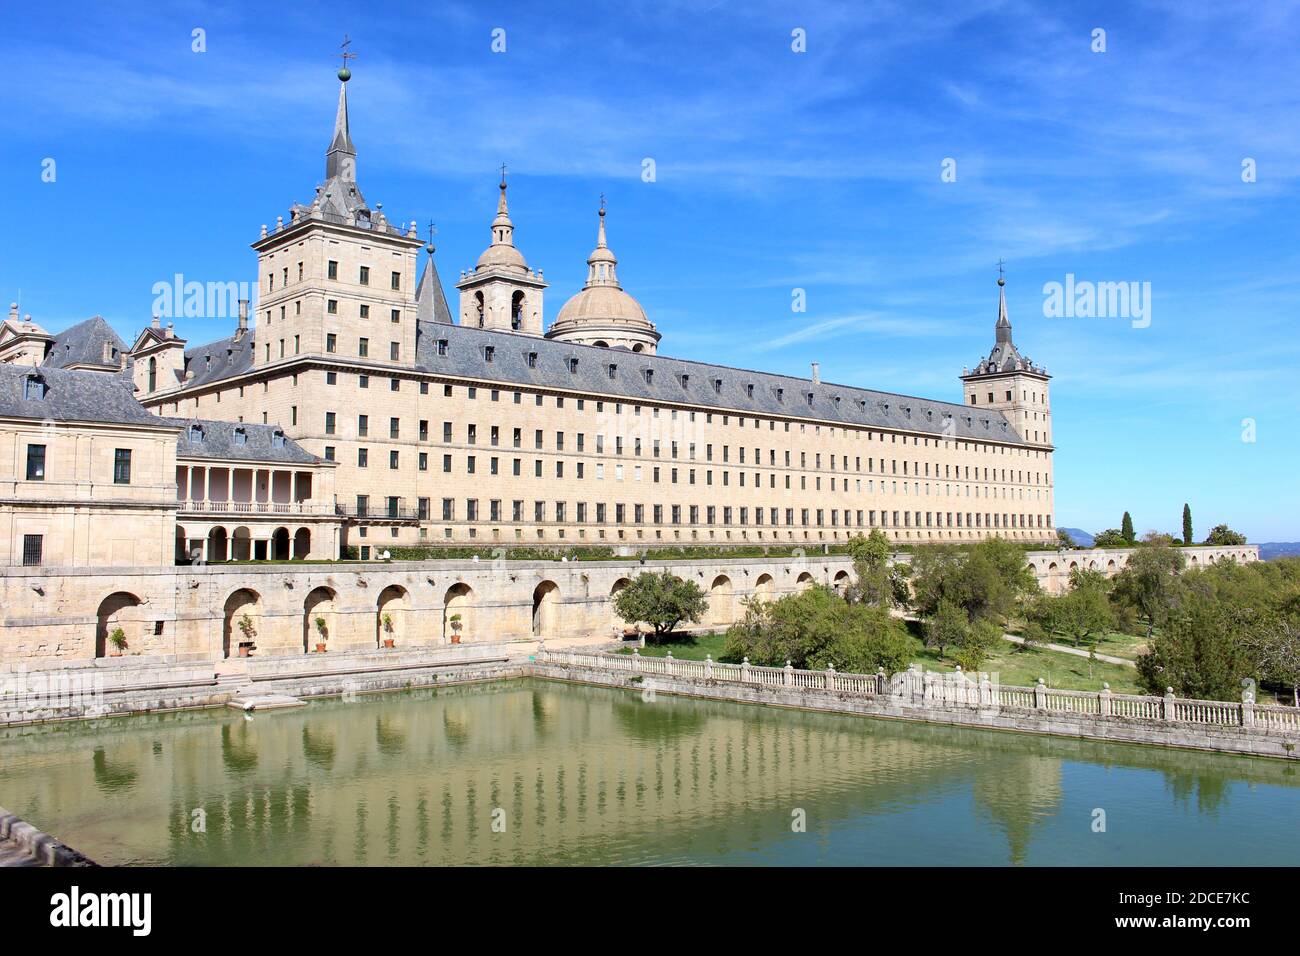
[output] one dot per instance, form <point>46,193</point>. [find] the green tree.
<point>1147,580</point>
<point>947,627</point>
<point>662,601</point>
<point>1126,528</point>
<point>1187,523</point>
<point>877,581</point>
<point>980,639</point>
<point>1222,535</point>
<point>1064,540</point>
<point>1275,647</point>
<point>816,629</point>
<point>1202,650</point>
<point>1111,538</point>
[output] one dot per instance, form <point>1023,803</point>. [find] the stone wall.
<point>52,616</point>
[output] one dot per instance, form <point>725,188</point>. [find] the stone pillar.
<point>985,690</point>
<point>230,486</point>
<point>293,487</point>
<point>1248,706</point>
<point>880,680</point>
<point>744,671</point>
<point>1103,700</point>
<point>668,663</point>
<point>1040,695</point>
<point>1168,711</point>
<point>787,678</point>
<point>708,667</point>
<point>830,676</point>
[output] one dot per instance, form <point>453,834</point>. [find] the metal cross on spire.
<point>1001,271</point>
<point>343,51</point>
<point>602,202</point>
<point>503,174</point>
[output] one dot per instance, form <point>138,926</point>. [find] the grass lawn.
<point>685,647</point>
<point>1022,668</point>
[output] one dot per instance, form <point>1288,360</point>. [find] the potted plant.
<point>456,625</point>
<point>249,630</point>
<point>388,630</point>
<point>118,641</point>
<point>323,631</point>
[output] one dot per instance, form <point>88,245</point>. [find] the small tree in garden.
<point>947,627</point>
<point>662,601</point>
<point>322,628</point>
<point>247,628</point>
<point>118,639</point>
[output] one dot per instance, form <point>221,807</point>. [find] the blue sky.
<point>775,170</point>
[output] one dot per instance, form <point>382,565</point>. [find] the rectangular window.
<point>329,423</point>
<point>33,545</point>
<point>332,269</point>
<point>396,282</point>
<point>35,462</point>
<point>364,277</point>
<point>363,348</point>
<point>331,342</point>
<point>122,466</point>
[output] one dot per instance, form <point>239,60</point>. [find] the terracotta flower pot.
<point>245,651</point>
<point>455,638</point>
<point>320,648</point>
<point>389,642</point>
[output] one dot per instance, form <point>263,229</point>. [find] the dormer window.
<point>717,386</point>
<point>780,395</point>
<point>649,376</point>
<point>488,353</point>
<point>613,370</point>
<point>573,366</point>
<point>686,380</point>
<point>33,387</point>
<point>196,434</point>
<point>277,439</point>
<point>442,346</point>
<point>241,436</point>
<point>532,360</point>
<point>749,391</point>
<point>810,398</point>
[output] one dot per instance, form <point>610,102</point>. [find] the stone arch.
<point>720,605</point>
<point>318,605</point>
<point>218,544</point>
<point>280,544</point>
<point>479,308</point>
<point>804,581</point>
<point>546,606</point>
<point>639,347</point>
<point>601,344</point>
<point>240,602</point>
<point>1111,568</point>
<point>241,544</point>
<point>459,599</point>
<point>301,543</point>
<point>840,582</point>
<point>393,604</point>
<point>182,546</point>
<point>1053,578</point>
<point>765,588</point>
<point>615,620</point>
<point>518,303</point>
<point>119,609</point>
<point>1195,561</point>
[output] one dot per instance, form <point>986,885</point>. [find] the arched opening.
<point>153,374</point>
<point>720,612</point>
<point>517,311</point>
<point>318,619</point>
<point>1110,568</point>
<point>217,545</point>
<point>390,616</point>
<point>1053,578</point>
<point>182,546</point>
<point>638,347</point>
<point>478,308</point>
<point>119,612</point>
<point>804,581</point>
<point>280,544</point>
<point>456,605</point>
<point>601,345</point>
<point>240,622</point>
<point>546,606</point>
<point>765,588</point>
<point>617,622</point>
<point>841,582</point>
<point>241,545</point>
<point>301,543</point>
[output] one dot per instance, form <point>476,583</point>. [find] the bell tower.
<point>501,292</point>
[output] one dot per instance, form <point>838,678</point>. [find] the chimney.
<point>817,373</point>
<point>243,320</point>
<point>155,323</point>
<point>108,353</point>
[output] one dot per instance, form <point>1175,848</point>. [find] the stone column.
<point>830,676</point>
<point>744,670</point>
<point>1103,700</point>
<point>1248,706</point>
<point>1168,711</point>
<point>1040,695</point>
<point>230,486</point>
<point>787,678</point>
<point>668,663</point>
<point>708,667</point>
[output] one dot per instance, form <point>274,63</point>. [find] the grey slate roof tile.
<point>83,344</point>
<point>218,442</point>
<point>72,396</point>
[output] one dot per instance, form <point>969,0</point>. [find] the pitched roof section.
<point>430,300</point>
<point>218,442</point>
<point>72,395</point>
<point>219,360</point>
<point>83,344</point>
<point>732,390</point>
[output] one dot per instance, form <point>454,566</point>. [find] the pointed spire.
<point>341,158</point>
<point>601,262</point>
<point>502,228</point>
<point>1004,324</point>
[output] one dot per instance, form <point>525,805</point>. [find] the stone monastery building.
<point>359,410</point>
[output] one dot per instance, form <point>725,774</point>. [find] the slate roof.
<point>73,395</point>
<point>430,300</point>
<point>219,360</point>
<point>83,344</point>
<point>219,442</point>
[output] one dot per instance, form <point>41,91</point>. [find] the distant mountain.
<point>1078,536</point>
<point>1279,549</point>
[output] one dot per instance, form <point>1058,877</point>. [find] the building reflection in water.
<point>573,775</point>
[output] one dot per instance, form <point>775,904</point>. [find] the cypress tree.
<point>1187,524</point>
<point>1126,528</point>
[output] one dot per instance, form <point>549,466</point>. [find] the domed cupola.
<point>602,313</point>
<point>501,292</point>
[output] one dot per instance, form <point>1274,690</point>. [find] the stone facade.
<point>57,615</point>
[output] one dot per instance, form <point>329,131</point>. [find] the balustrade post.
<point>880,680</point>
<point>1248,706</point>
<point>1040,695</point>
<point>830,676</point>
<point>744,671</point>
<point>1168,711</point>
<point>668,663</point>
<point>708,667</point>
<point>1103,700</point>
<point>927,688</point>
<point>986,690</point>
<point>636,659</point>
<point>787,678</point>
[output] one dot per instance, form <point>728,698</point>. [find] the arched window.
<point>517,311</point>
<point>478,304</point>
<point>153,373</point>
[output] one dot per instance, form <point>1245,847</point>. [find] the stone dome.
<point>602,302</point>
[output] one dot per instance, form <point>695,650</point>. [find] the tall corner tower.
<point>1011,383</point>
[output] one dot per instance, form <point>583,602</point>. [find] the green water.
<point>530,772</point>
